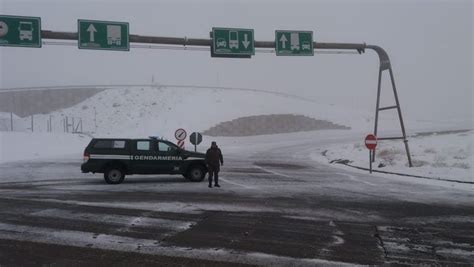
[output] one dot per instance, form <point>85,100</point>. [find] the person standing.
<point>213,158</point>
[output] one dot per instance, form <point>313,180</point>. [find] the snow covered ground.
<point>142,112</point>
<point>445,156</point>
<point>15,146</point>
<point>160,111</point>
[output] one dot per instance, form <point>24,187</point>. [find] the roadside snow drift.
<point>446,156</point>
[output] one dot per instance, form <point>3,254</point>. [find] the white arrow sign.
<point>246,41</point>
<point>91,31</point>
<point>283,41</point>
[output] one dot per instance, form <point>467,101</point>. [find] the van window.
<point>103,144</point>
<point>108,144</point>
<point>143,145</point>
<point>119,144</point>
<point>164,147</point>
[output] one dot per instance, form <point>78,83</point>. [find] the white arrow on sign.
<point>283,41</point>
<point>91,31</point>
<point>246,41</point>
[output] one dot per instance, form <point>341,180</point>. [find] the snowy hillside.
<point>159,111</point>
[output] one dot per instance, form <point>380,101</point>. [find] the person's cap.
<point>213,143</point>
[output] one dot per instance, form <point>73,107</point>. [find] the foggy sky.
<point>429,43</point>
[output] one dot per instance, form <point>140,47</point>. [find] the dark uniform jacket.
<point>213,157</point>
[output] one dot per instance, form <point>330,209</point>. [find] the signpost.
<point>233,42</point>
<point>370,143</point>
<point>180,135</point>
<point>294,43</point>
<point>195,139</point>
<point>20,31</point>
<point>103,35</point>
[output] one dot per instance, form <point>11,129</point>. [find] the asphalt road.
<point>271,210</point>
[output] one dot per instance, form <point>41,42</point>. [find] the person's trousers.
<point>213,172</point>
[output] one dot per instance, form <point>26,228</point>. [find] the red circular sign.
<point>371,141</point>
<point>180,134</point>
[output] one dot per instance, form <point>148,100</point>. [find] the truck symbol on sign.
<point>26,30</point>
<point>221,42</point>
<point>114,35</point>
<point>295,41</point>
<point>233,39</point>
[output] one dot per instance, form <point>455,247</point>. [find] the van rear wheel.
<point>114,175</point>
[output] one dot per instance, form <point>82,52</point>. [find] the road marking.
<point>237,184</point>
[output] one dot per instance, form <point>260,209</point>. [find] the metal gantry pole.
<point>399,110</point>
<point>377,107</point>
<point>385,65</point>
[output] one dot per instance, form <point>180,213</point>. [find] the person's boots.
<point>216,180</point>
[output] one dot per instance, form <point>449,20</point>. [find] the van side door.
<point>171,158</point>
<point>143,156</point>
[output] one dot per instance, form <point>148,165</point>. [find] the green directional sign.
<point>294,43</point>
<point>231,41</point>
<point>103,35</point>
<point>20,31</point>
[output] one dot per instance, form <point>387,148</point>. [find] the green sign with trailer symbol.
<point>103,35</point>
<point>231,41</point>
<point>20,31</point>
<point>294,43</point>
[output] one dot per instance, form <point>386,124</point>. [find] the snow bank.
<point>446,156</point>
<point>30,146</point>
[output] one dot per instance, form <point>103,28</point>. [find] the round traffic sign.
<point>180,134</point>
<point>371,141</point>
<point>195,138</point>
<point>3,29</point>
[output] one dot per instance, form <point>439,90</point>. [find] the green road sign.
<point>294,43</point>
<point>20,31</point>
<point>103,35</point>
<point>229,41</point>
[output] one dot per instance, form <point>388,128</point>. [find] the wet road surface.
<point>276,211</point>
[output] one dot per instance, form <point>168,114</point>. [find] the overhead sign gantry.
<point>224,42</point>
